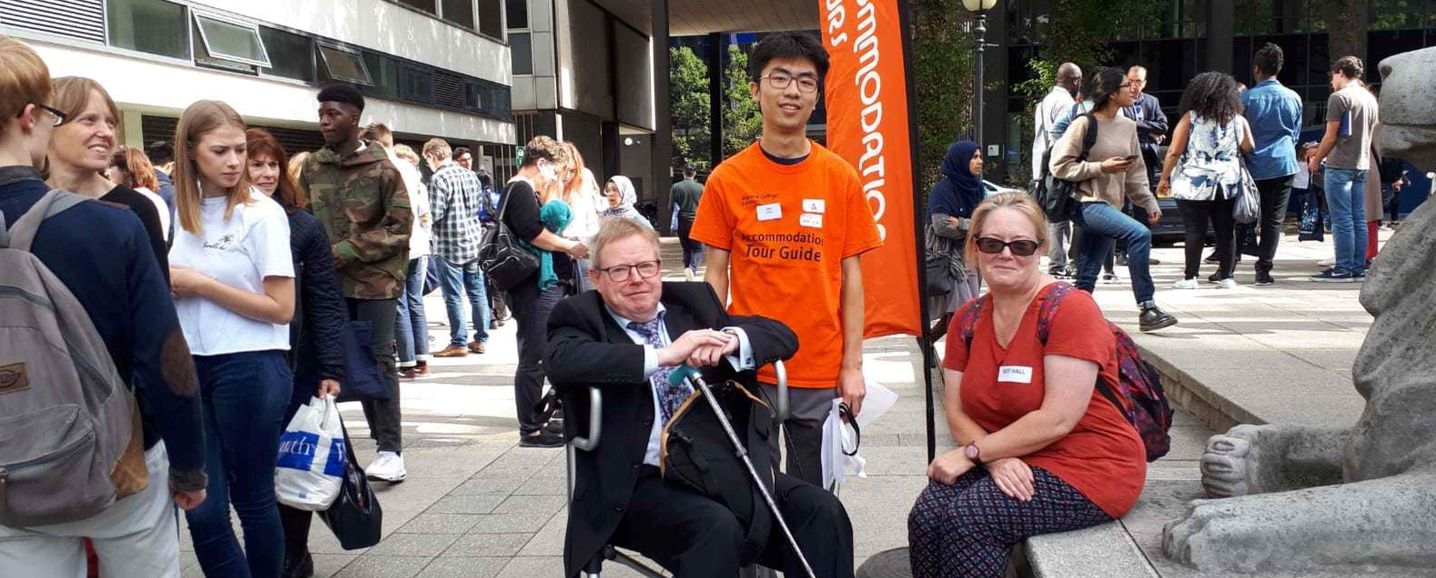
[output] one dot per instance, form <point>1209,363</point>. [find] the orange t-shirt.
<point>1102,457</point>
<point>788,228</point>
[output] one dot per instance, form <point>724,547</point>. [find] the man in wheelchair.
<point>625,339</point>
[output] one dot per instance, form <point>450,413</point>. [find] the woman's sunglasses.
<point>1020,247</point>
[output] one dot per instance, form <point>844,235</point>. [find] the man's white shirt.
<point>1051,107</point>
<point>743,361</point>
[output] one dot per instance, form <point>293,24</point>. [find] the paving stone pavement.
<point>477,505</point>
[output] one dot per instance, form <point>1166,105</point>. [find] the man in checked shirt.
<point>454,198</point>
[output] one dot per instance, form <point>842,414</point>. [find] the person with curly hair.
<point>1208,143</point>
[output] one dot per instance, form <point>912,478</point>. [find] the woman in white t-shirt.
<point>233,281</point>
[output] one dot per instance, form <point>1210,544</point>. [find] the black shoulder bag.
<point>502,257</point>
<point>1060,202</point>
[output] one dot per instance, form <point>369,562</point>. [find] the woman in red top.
<point>1040,450</point>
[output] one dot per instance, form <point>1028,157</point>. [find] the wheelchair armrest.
<point>782,372</point>
<point>595,421</point>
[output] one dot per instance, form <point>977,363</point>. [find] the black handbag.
<point>1059,199</point>
<point>937,264</point>
<point>355,517</point>
<point>502,257</point>
<point>363,377</point>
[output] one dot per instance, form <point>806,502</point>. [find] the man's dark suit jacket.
<point>1147,111</point>
<point>587,348</point>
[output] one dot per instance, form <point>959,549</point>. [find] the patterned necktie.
<point>669,396</point>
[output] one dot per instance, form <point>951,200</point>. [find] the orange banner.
<point>867,103</point>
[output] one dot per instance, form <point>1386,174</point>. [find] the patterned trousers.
<point>968,529</point>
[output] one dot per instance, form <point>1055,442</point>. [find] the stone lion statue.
<point>1298,499</point>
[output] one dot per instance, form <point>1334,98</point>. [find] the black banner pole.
<point>920,219</point>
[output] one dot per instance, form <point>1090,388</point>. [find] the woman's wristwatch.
<point>973,454</point>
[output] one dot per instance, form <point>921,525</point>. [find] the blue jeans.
<point>244,396</point>
<point>1346,201</point>
<point>412,332</point>
<point>457,281</point>
<point>1102,224</point>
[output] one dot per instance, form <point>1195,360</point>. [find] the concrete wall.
<point>161,86</point>
<point>386,27</point>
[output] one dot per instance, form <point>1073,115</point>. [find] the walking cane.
<point>695,379</point>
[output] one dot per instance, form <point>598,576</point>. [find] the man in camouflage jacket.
<point>360,198</point>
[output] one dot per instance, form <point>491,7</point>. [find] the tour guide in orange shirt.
<point>787,221</point>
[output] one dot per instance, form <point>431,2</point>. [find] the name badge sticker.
<point>1014,374</point>
<point>814,206</point>
<point>811,220</point>
<point>770,212</point>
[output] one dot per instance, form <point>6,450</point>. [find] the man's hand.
<point>189,500</point>
<point>327,387</point>
<point>578,251</point>
<point>949,466</point>
<point>1014,477</point>
<point>852,388</point>
<point>1314,164</point>
<point>1116,165</point>
<point>710,355</point>
<point>682,349</point>
<point>1154,216</point>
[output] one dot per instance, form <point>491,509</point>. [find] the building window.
<point>232,41</point>
<point>150,26</point>
<point>520,44</point>
<point>421,5</point>
<point>460,12</point>
<point>344,65</point>
<point>416,84</point>
<point>291,55</point>
<point>384,71</point>
<point>491,18</point>
<point>517,12</point>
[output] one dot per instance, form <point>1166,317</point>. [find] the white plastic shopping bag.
<point>840,439</point>
<point>310,469</point>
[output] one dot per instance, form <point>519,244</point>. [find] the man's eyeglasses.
<point>60,116</point>
<point>1020,247</point>
<point>780,81</point>
<point>621,273</point>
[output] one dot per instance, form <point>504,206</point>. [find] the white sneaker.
<point>1186,284</point>
<point>1326,263</point>
<point>386,467</point>
<point>1228,283</point>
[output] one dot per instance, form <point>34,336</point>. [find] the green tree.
<point>942,70</point>
<point>1080,31</point>
<point>688,94</point>
<point>742,121</point>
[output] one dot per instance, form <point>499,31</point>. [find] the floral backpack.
<point>1138,393</point>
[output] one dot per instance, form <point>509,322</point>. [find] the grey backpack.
<point>70,437</point>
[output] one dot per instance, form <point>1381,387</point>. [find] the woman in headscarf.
<point>621,198</point>
<point>950,207</point>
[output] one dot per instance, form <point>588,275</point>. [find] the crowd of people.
<point>229,279</point>
<point>1229,143</point>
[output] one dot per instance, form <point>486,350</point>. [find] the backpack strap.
<point>1047,308</point>
<point>967,321</point>
<point>1089,137</point>
<point>22,233</point>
